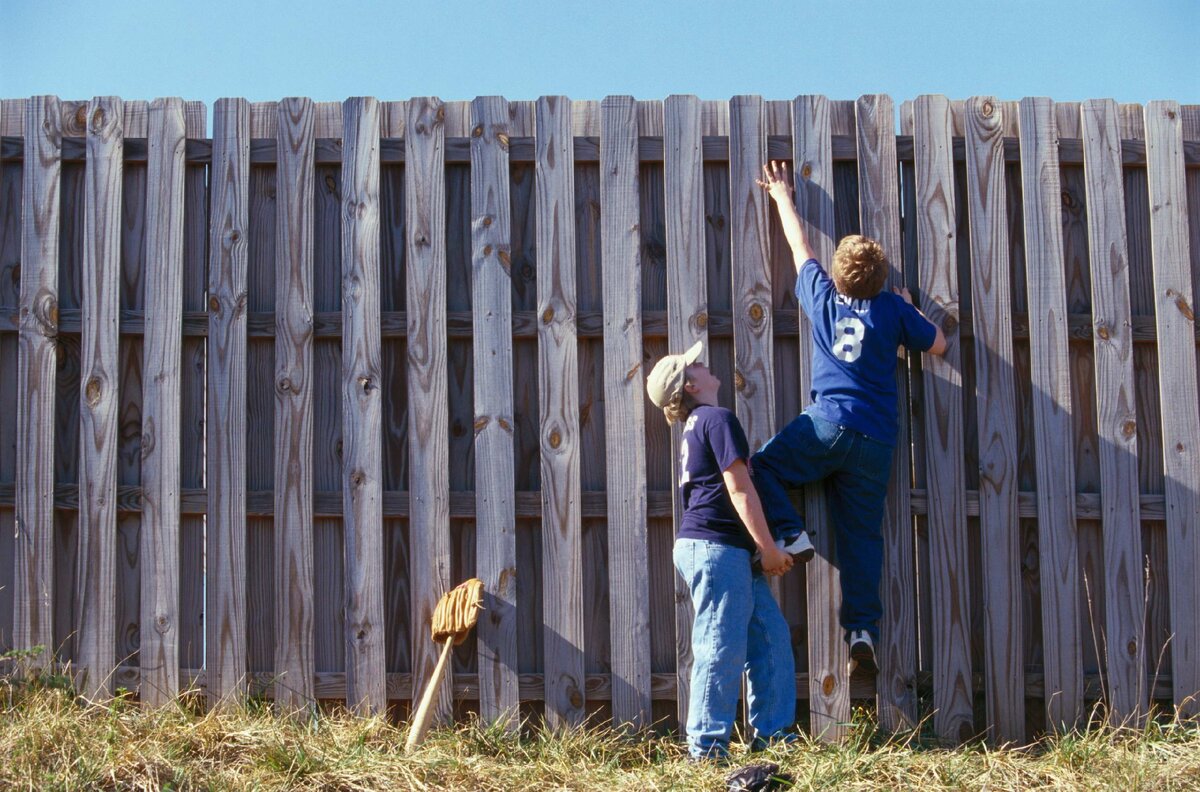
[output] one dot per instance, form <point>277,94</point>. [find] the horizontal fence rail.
<point>269,391</point>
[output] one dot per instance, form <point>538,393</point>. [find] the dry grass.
<point>51,741</point>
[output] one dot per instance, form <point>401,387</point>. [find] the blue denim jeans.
<point>738,626</point>
<point>855,469</point>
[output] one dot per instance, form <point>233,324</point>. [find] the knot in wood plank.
<point>1181,305</point>
<point>93,391</point>
<point>828,684</point>
<point>701,320</point>
<point>555,438</point>
<point>739,382</point>
<point>548,316</point>
<point>756,312</point>
<point>1129,429</point>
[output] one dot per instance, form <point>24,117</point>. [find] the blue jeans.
<point>738,626</point>
<point>855,469</point>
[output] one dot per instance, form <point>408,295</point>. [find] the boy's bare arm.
<point>778,184</point>
<point>749,508</point>
<point>939,341</point>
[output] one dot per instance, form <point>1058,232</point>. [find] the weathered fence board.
<point>1116,412</point>
<point>947,524</point>
<point>995,386</point>
<point>225,553</point>
<point>558,407</point>
<point>1175,317</point>
<point>624,405</point>
<point>1058,553</point>
<point>293,389</point>
<point>158,652</point>
<point>753,378</point>
<point>192,386</point>
<point>361,408</point>
<point>96,582</point>
<point>33,596</point>
<point>491,301</point>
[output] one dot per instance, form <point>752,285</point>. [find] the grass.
<point>50,740</point>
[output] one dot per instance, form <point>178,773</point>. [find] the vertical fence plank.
<point>1116,412</point>
<point>191,443</point>
<point>558,404</point>
<point>687,310</point>
<point>293,537</point>
<point>225,580</point>
<point>880,220</point>
<point>96,582</point>
<point>130,357</point>
<point>10,220</point>
<point>624,399</point>
<point>947,514</point>
<point>362,495</point>
<point>1175,322</point>
<point>158,652</point>
<point>33,595</point>
<point>828,656</point>
<point>995,387</point>
<point>429,510</point>
<point>495,511</point>
<point>753,378</point>
<point>1058,554</point>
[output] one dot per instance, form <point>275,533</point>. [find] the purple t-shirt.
<point>712,441</point>
<point>854,352</point>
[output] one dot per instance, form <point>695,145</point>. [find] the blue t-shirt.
<point>712,441</point>
<point>854,352</point>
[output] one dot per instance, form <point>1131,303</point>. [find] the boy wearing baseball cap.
<point>847,434</point>
<point>738,624</point>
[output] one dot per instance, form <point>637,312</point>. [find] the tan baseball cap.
<point>666,378</point>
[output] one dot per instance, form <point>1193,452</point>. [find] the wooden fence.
<point>266,395</point>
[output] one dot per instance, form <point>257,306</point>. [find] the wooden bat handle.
<point>420,724</point>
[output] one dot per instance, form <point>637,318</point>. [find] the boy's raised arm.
<point>777,182</point>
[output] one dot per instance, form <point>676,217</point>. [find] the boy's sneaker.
<point>862,653</point>
<point>799,547</point>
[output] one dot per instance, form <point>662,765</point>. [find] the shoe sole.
<point>862,658</point>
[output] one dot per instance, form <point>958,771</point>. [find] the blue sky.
<point>1132,51</point>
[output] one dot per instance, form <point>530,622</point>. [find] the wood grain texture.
<point>130,355</point>
<point>261,235</point>
<point>429,522</point>
<point>225,583</point>
<point>828,653</point>
<point>558,407</point>
<point>158,652</point>
<point>495,484</point>
<point>943,419</point>
<point>753,378</point>
<point>1058,554</point>
<point>96,582</point>
<point>10,219</point>
<point>880,219</point>
<point>33,551</point>
<point>293,449</point>
<point>1174,311</point>
<point>1116,413</point>
<point>192,387</point>
<point>687,310</point>
<point>329,578</point>
<point>995,388</point>
<point>362,466</point>
<point>624,406</point>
